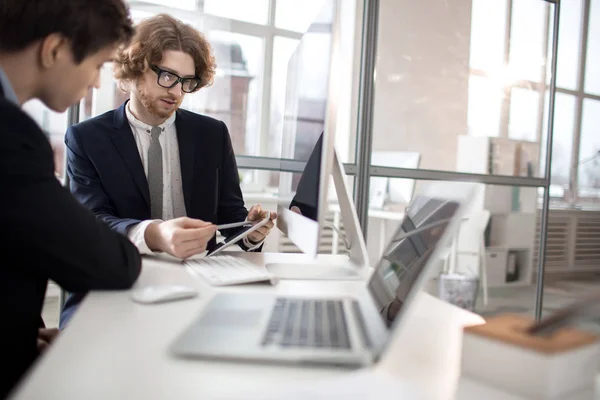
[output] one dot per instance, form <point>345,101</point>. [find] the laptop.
<point>351,330</point>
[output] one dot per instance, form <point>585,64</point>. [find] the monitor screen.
<point>305,113</point>
<point>404,260</point>
<point>306,142</point>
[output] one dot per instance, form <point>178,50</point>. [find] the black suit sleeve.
<point>307,192</point>
<point>59,238</point>
<point>230,201</point>
<point>87,187</point>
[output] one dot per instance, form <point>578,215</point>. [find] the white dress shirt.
<point>173,201</point>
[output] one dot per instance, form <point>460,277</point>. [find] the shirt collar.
<point>142,125</point>
<point>9,92</point>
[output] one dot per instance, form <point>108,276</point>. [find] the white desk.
<point>117,349</point>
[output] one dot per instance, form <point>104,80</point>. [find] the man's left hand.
<point>257,214</point>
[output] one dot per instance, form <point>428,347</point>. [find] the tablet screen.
<point>240,234</point>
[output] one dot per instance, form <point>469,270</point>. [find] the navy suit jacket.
<point>107,175</point>
<point>106,172</point>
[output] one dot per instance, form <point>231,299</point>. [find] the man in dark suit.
<point>51,50</point>
<point>158,174</point>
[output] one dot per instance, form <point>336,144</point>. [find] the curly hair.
<point>155,35</point>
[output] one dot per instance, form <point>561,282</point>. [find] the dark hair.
<point>89,25</point>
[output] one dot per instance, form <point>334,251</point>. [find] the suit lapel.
<point>123,139</point>
<point>186,141</point>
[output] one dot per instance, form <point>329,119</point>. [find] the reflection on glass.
<point>488,29</point>
<point>255,11</point>
<point>484,106</point>
<point>526,56</point>
<point>562,145</point>
<point>297,16</point>
<point>405,258</point>
<point>569,44</point>
<point>234,97</point>
<point>592,78</point>
<point>589,156</point>
<point>54,126</point>
<point>282,51</point>
<point>523,114</point>
<point>181,4</point>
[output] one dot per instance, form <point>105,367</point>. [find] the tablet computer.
<point>245,231</point>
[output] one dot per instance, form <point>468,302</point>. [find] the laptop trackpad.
<point>227,317</point>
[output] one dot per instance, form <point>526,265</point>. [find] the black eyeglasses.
<point>168,80</point>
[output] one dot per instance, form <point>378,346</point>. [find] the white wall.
<point>422,74</point>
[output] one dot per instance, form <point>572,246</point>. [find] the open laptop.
<point>352,330</point>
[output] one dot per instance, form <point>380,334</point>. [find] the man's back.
<point>47,234</point>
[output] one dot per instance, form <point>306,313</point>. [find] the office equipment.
<point>234,225</point>
<point>225,270</point>
<point>162,293</point>
<point>311,143</point>
<point>248,229</point>
<point>562,366</point>
<point>129,357</point>
<point>353,330</point>
<point>398,190</point>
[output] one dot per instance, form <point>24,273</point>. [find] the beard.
<point>154,104</point>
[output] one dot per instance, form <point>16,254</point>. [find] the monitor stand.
<point>356,267</point>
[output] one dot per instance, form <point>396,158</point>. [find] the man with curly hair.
<point>161,175</point>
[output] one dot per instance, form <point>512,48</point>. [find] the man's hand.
<point>45,338</point>
<point>257,214</point>
<point>180,237</point>
<point>296,209</point>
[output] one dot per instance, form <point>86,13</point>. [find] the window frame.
<point>572,197</point>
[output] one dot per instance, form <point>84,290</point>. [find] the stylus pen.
<point>587,308</point>
<point>234,225</point>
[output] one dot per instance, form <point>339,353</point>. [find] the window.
<point>252,42</point>
<point>589,151</point>
<point>255,11</point>
<point>569,44</point>
<point>235,95</point>
<point>524,106</point>
<point>562,146</point>
<point>526,54</point>
<point>515,103</point>
<point>592,78</point>
<point>296,15</point>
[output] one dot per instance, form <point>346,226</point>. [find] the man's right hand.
<point>180,237</point>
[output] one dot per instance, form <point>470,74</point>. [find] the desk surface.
<point>114,348</point>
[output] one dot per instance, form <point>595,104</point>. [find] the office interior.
<point>461,89</point>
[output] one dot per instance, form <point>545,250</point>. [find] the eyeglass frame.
<point>159,71</point>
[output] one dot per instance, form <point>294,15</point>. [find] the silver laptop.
<point>352,330</point>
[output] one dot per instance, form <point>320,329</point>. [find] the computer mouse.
<point>162,293</point>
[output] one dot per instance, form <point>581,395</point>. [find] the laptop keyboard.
<point>307,323</point>
<point>229,270</point>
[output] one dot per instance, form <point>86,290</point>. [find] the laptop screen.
<point>404,260</point>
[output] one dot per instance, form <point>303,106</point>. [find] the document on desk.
<point>364,384</point>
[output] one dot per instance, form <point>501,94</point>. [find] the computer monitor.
<point>308,129</point>
<point>308,140</point>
